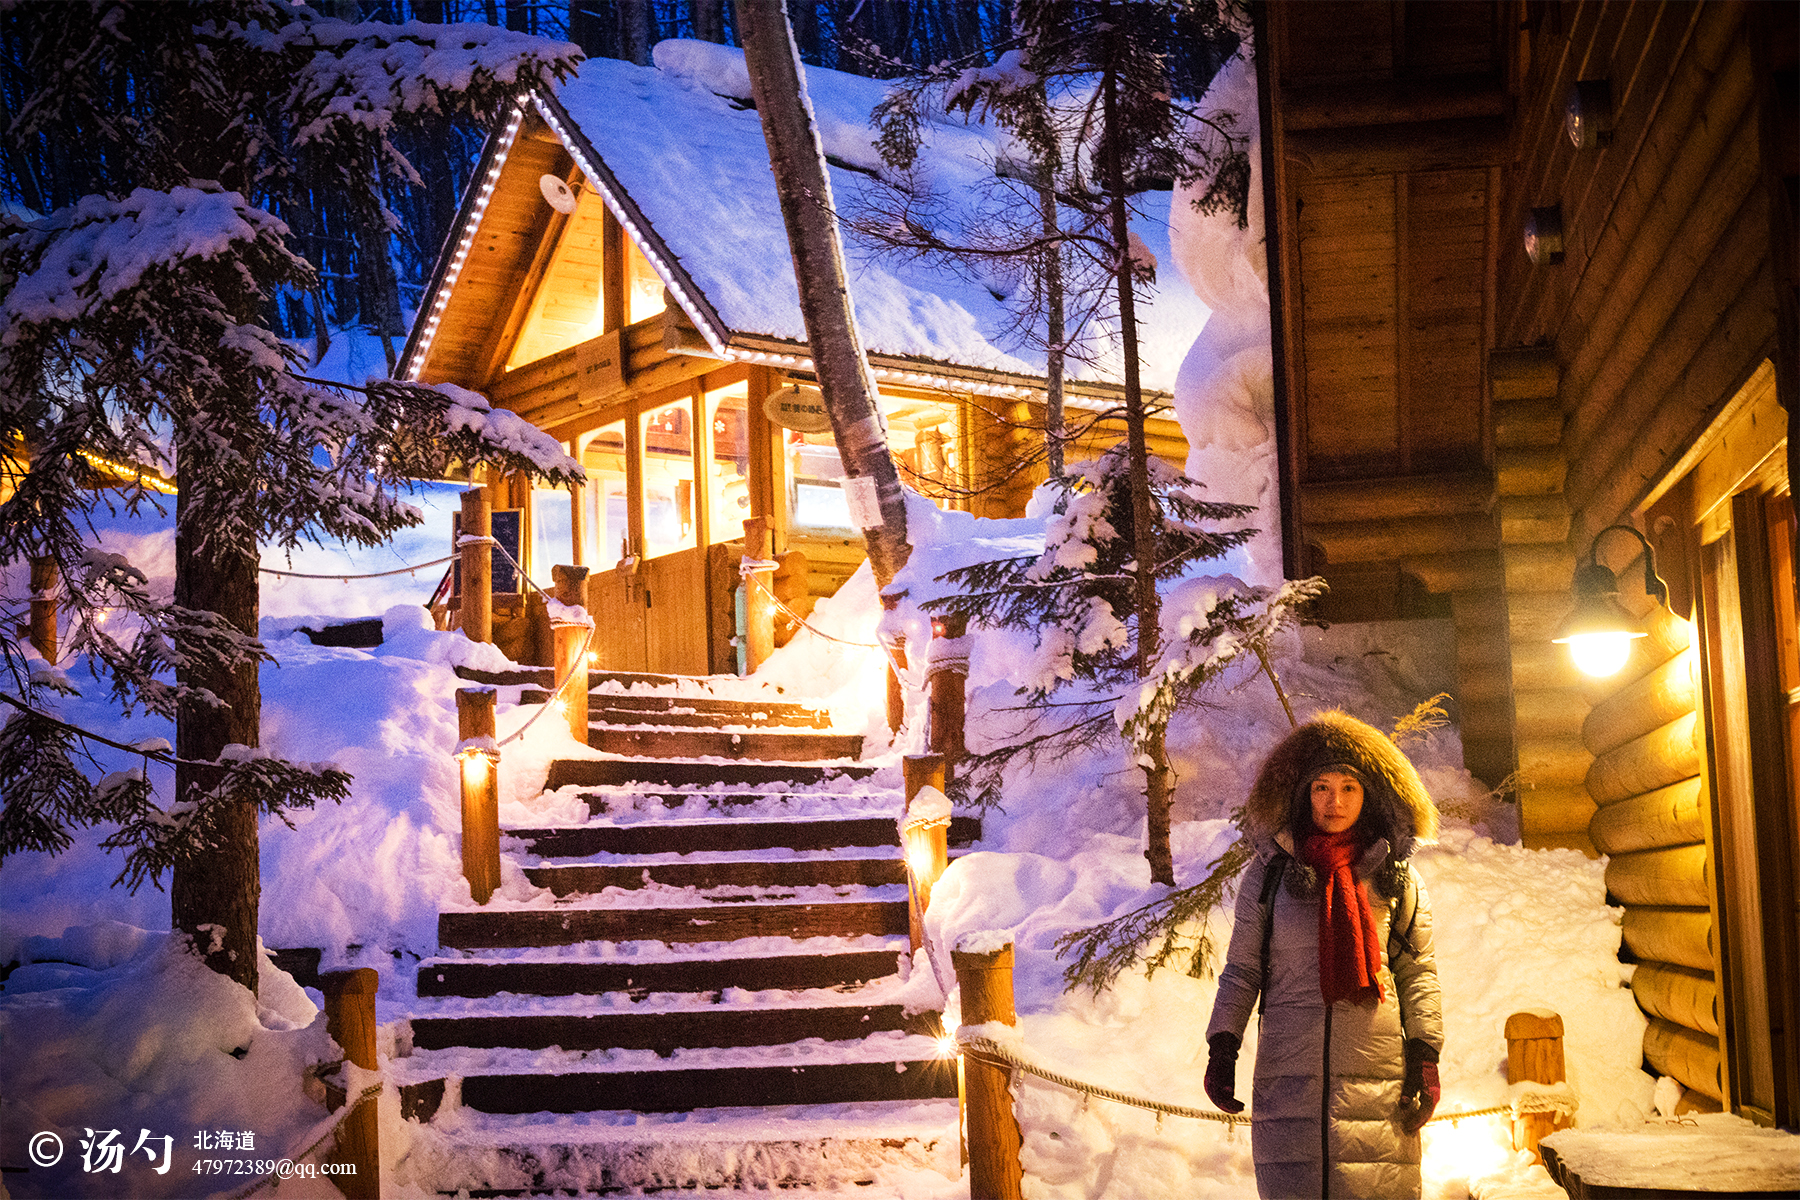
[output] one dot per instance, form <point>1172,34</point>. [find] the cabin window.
<point>815,483</point>
<point>552,532</point>
<point>923,434</point>
<point>729,476</point>
<point>668,438</point>
<point>606,522</point>
<point>643,286</point>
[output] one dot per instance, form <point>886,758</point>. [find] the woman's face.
<point>1337,801</point>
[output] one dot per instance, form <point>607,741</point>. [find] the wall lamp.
<point>1598,632</point>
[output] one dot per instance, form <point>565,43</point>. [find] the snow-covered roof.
<point>681,159</point>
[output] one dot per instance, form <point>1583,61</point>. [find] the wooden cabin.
<point>1534,273</point>
<point>620,276</point>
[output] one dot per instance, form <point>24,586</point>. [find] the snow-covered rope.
<point>436,562</point>
<point>374,1089</point>
<point>994,1052</point>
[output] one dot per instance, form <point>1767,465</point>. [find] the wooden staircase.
<point>707,993</point>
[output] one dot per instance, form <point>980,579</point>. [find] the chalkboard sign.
<point>509,528</point>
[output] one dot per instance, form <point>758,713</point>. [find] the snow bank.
<point>113,1028</point>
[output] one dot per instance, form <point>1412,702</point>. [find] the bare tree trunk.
<point>214,898</point>
<point>1054,430</point>
<point>798,160</point>
<point>709,20</point>
<point>1157,793</point>
<point>634,30</point>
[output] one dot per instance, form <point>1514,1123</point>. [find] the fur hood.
<point>1395,801</point>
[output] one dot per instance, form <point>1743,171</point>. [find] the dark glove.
<point>1221,1072</point>
<point>1419,1090</point>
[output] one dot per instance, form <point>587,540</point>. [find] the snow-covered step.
<point>818,1146</point>
<point>872,867</point>
<point>689,771</point>
<point>712,973</point>
<point>667,1031</point>
<point>882,1066</point>
<point>683,836</point>
<point>863,911</point>
<point>766,745</point>
<point>636,709</point>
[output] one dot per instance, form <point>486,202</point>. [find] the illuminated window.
<point>606,526</point>
<point>552,534</point>
<point>728,500</point>
<point>668,479</point>
<point>923,436</point>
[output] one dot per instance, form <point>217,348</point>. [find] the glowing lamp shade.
<point>1598,632</point>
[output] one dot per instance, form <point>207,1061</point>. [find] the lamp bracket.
<point>1653,584</point>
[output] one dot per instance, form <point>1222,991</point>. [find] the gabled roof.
<point>681,161</point>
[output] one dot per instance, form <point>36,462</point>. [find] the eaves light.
<point>1598,632</point>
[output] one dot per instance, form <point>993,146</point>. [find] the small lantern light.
<point>1588,115</point>
<point>1544,235</point>
<point>1598,632</point>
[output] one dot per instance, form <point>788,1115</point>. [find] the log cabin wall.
<point>1388,132</point>
<point>1613,357</point>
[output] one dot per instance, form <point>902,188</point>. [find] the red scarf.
<point>1349,958</point>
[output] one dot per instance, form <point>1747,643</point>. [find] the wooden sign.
<point>798,406</point>
<point>599,367</point>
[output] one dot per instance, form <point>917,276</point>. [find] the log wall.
<point>1660,307</point>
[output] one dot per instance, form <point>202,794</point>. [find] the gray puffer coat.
<point>1324,1105</point>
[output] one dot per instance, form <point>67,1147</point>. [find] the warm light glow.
<point>1601,654</point>
<point>918,857</point>
<point>1466,1149</point>
<point>946,1045</point>
<point>474,769</point>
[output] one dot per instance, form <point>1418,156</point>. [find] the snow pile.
<point>113,1030</point>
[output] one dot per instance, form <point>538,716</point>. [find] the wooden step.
<point>471,928</point>
<point>759,712</point>
<point>610,714</point>
<point>569,977</point>
<point>665,1032</point>
<point>600,772</point>
<point>691,837</point>
<point>567,879</point>
<point>679,1091</point>
<point>544,677</point>
<point>761,745</point>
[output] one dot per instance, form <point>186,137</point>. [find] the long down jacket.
<point>1325,1101</point>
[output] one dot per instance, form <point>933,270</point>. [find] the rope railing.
<point>436,562</point>
<point>1001,1055</point>
<point>374,1089</point>
<point>748,570</point>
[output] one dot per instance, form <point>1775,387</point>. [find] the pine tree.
<point>1080,597</point>
<point>137,327</point>
<point>1094,91</point>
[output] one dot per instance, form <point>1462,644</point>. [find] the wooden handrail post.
<point>44,580</point>
<point>570,639</point>
<point>759,596</point>
<point>478,765</point>
<point>350,1020</point>
<point>569,585</point>
<point>985,980</point>
<point>477,567</point>
<point>1534,1053</point>
<point>947,672</point>
<point>924,836</point>
<point>896,686</point>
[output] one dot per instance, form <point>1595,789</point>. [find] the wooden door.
<point>616,603</point>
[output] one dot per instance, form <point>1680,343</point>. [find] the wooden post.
<point>1534,1052</point>
<point>571,640</point>
<point>478,762</point>
<point>759,596</point>
<point>947,672</point>
<point>477,567</point>
<point>896,686</point>
<point>44,580</point>
<point>986,983</point>
<point>350,1019</point>
<point>925,837</point>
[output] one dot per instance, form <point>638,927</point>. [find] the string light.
<point>128,471</point>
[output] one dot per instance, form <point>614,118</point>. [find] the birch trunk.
<point>798,161</point>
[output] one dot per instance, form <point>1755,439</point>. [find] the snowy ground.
<point>108,1027</point>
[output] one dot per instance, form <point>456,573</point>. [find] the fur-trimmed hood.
<point>1395,801</point>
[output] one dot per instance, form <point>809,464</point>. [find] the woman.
<point>1334,932</point>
